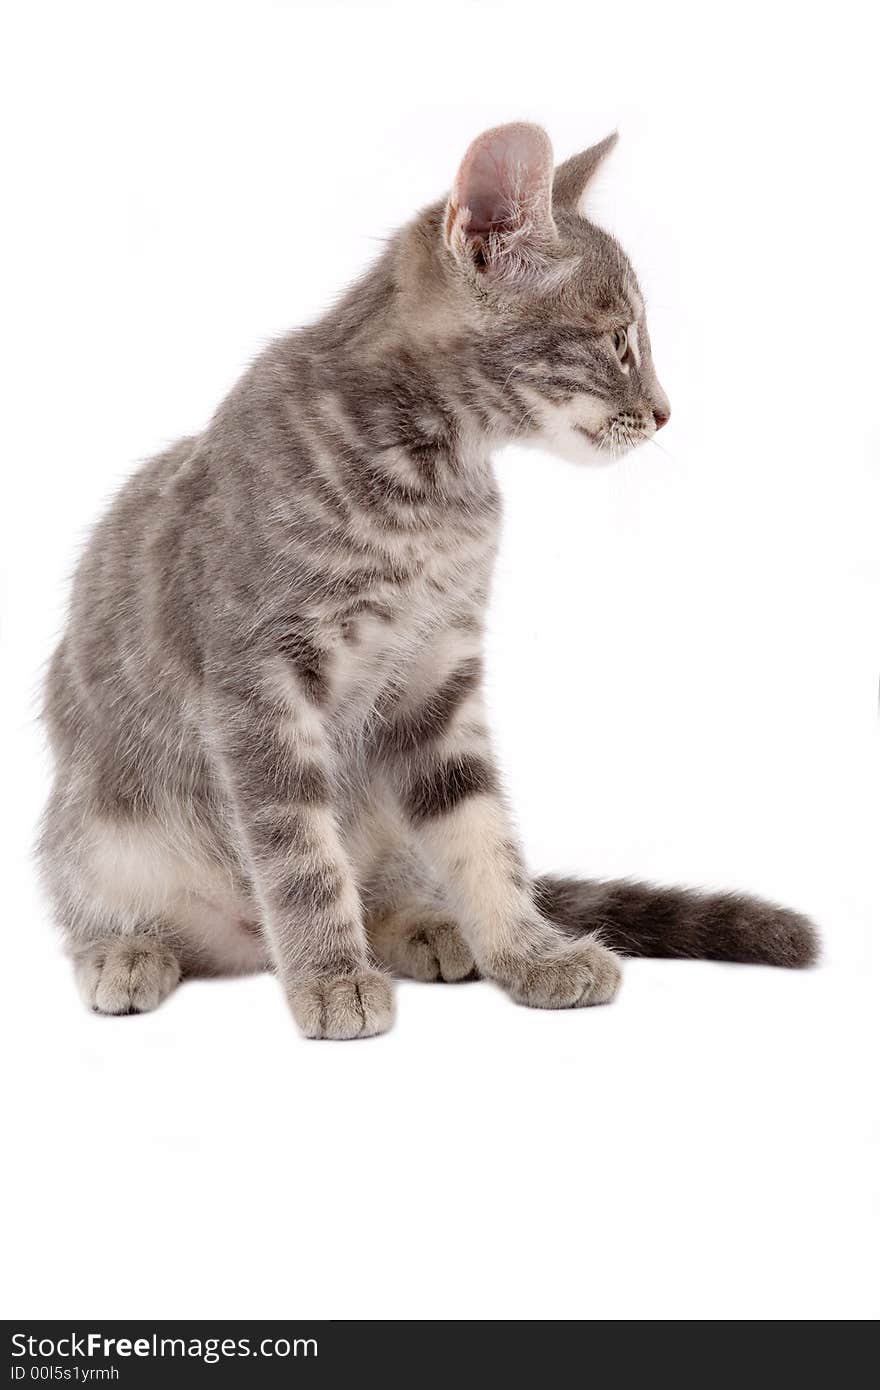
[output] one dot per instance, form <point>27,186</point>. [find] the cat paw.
<point>125,975</point>
<point>422,949</point>
<point>564,976</point>
<point>348,1006</point>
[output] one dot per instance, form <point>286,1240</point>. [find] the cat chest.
<point>387,637</point>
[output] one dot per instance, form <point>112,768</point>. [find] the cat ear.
<point>571,178</point>
<point>499,211</point>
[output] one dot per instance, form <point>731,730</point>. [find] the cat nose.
<point>660,418</point>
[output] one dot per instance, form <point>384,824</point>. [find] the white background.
<point>181,184</point>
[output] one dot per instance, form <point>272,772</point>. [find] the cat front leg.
<point>278,770</point>
<point>465,828</point>
<point>440,755</point>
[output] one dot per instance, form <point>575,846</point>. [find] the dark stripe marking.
<point>438,790</point>
<point>410,730</point>
<point>317,889</point>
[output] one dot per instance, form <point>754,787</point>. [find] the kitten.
<point>271,743</point>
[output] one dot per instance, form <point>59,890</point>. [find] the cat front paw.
<point>344,1007</point>
<point>565,975</point>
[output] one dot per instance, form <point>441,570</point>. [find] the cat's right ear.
<point>498,218</point>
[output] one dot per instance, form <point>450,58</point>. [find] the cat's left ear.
<point>571,178</point>
<point>499,216</point>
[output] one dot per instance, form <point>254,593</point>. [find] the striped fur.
<point>266,712</point>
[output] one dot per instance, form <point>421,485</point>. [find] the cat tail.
<point>638,919</point>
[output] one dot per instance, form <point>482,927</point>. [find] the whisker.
<point>661,447</point>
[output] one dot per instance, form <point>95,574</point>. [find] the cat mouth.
<point>615,438</point>
<point>602,440</point>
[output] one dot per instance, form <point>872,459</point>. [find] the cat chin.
<point>573,443</point>
<point>575,431</point>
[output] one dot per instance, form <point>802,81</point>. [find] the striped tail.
<point>638,919</point>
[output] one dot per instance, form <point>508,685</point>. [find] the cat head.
<point>560,338</point>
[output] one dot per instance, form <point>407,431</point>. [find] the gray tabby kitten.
<point>271,742</point>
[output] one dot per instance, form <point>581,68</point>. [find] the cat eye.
<point>621,342</point>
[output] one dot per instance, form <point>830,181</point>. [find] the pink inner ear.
<point>504,176</point>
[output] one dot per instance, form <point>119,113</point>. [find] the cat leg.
<point>438,751</point>
<point>141,902</point>
<point>466,830</point>
<point>416,940</point>
<point>411,929</point>
<point>279,772</point>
